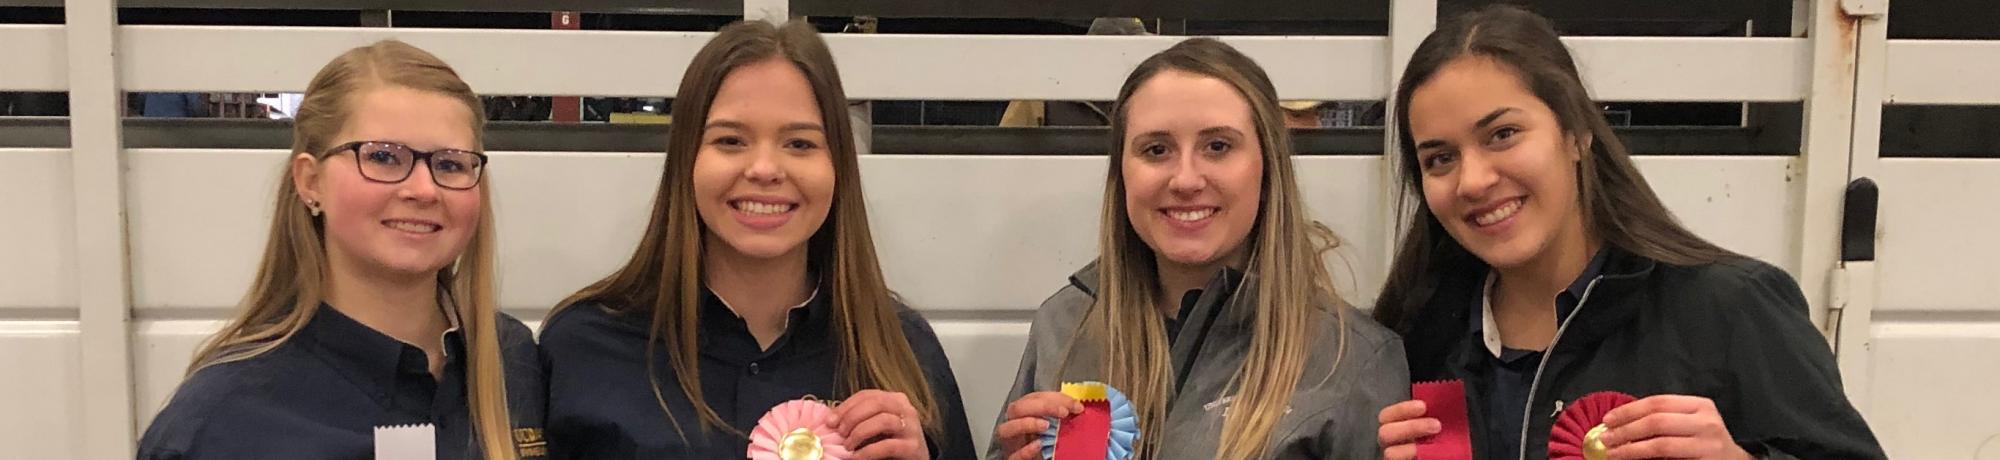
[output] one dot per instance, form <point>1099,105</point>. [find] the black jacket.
<point>321,394</point>
<point>1735,331</point>
<point>602,405</point>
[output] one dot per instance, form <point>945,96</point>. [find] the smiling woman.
<point>1209,305</point>
<point>374,304</point>
<point>758,279</point>
<point>1543,269</point>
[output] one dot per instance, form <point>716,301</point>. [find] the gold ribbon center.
<point>1593,443</point>
<point>800,444</point>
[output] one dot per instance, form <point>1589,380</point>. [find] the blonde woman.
<point>756,283</point>
<point>1209,305</point>
<point>374,303</point>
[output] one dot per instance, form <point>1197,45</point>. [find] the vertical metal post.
<point>103,278</point>
<point>1409,22</point>
<point>1827,143</point>
<point>775,11</point>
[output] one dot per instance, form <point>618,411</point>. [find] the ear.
<point>1582,144</point>
<point>305,176</point>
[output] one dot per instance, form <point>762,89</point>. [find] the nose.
<point>1476,176</point>
<point>420,186</point>
<point>764,168</point>
<point>1188,176</point>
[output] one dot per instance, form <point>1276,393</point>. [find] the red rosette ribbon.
<point>1575,433</point>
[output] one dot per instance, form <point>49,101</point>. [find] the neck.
<point>1177,278</point>
<point>403,307</point>
<point>760,290</point>
<point>1545,275</point>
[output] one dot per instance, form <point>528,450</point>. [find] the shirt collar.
<point>1489,330</point>
<point>362,354</point>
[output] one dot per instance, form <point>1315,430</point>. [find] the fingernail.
<point>1434,426</point>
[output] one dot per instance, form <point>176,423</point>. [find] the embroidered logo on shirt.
<point>529,442</point>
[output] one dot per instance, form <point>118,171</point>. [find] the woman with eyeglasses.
<point>374,304</point>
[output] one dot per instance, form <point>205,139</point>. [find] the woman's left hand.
<point>881,425</point>
<point>1669,426</point>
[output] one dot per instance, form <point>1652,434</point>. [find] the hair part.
<point>291,279</point>
<point>1290,284</point>
<point>1618,206</point>
<point>663,278</point>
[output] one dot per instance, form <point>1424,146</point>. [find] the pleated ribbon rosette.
<point>1575,433</point>
<point>1107,429</point>
<point>797,430</point>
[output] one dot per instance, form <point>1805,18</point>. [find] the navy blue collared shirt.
<point>321,394</point>
<point>1514,369</point>
<point>602,404</point>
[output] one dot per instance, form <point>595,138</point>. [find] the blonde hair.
<point>291,279</point>
<point>1290,279</point>
<point>663,277</point>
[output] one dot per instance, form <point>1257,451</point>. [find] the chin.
<point>763,247</point>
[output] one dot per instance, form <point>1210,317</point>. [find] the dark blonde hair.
<point>663,277</point>
<point>1286,245</point>
<point>1617,204</point>
<point>291,280</point>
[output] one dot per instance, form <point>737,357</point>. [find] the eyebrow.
<point>794,126</point>
<point>1482,123</point>
<point>1221,130</point>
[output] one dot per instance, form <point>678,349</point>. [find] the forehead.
<point>767,89</point>
<point>421,119</point>
<point>1467,89</point>
<point>1176,100</point>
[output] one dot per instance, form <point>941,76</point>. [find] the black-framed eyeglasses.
<point>390,163</point>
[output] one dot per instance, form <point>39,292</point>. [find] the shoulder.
<point>515,337</point>
<point>1065,308</point>
<point>1734,286</point>
<point>204,396</point>
<point>580,326</point>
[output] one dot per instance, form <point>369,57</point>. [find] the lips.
<point>1495,214</point>
<point>762,213</point>
<point>416,226</point>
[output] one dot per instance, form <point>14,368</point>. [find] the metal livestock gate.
<point>115,262</point>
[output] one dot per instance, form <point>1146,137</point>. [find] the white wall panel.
<point>1942,72</point>
<point>35,58</point>
<point>1746,204</point>
<point>1932,388</point>
<point>38,240</point>
<point>1936,241</point>
<point>42,391</point>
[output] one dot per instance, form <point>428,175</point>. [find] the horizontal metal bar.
<point>34,57</point>
<point>961,67</point>
<point>703,7</point>
<point>514,136</point>
<point>1693,68</point>
<point>1943,72</point>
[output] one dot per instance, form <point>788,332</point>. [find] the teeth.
<point>1498,215</point>
<point>1191,216</point>
<point>762,208</point>
<point>412,226</point>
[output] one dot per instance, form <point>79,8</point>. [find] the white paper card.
<point>406,442</point>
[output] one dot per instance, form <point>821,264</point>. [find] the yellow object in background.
<point>641,118</point>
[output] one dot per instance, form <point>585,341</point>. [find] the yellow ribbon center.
<point>1593,443</point>
<point>800,444</point>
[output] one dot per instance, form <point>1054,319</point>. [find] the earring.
<point>312,207</point>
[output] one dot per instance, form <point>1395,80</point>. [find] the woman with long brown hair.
<point>1541,270</point>
<point>374,304</point>
<point>756,282</point>
<point>1209,305</point>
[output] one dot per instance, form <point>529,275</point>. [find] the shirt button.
<point>753,368</point>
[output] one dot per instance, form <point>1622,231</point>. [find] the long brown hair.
<point>1618,206</point>
<point>1291,281</point>
<point>663,278</point>
<point>291,279</point>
